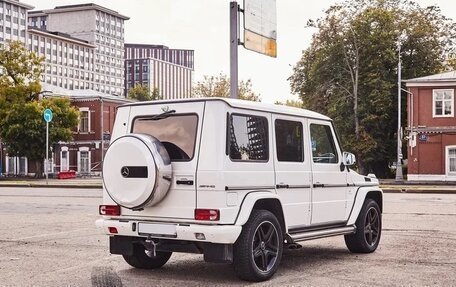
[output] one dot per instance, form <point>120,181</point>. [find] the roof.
<point>59,35</point>
<point>86,6</point>
<point>80,95</point>
<point>18,3</point>
<point>152,46</point>
<point>242,104</point>
<point>443,79</point>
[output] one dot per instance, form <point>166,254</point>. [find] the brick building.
<point>432,128</point>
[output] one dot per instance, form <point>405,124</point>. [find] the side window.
<point>323,147</point>
<point>248,138</point>
<point>289,141</point>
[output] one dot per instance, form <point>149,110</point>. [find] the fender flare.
<point>360,197</point>
<point>249,202</point>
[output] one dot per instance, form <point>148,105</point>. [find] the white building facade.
<point>13,20</point>
<point>69,62</point>
<point>100,27</point>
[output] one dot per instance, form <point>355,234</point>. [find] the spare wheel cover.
<point>137,171</point>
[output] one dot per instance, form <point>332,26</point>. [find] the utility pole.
<point>234,41</point>
<point>399,174</point>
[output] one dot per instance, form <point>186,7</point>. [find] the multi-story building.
<point>432,128</point>
<point>170,71</point>
<point>179,57</point>
<point>13,20</point>
<point>170,80</point>
<point>69,62</point>
<point>99,26</point>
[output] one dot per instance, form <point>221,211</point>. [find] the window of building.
<point>84,160</point>
<point>181,145</point>
<point>84,120</point>
<point>443,103</point>
<point>248,138</point>
<point>289,141</point>
<point>64,159</point>
<point>451,160</point>
<point>323,147</point>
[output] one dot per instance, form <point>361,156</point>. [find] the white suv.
<point>237,181</point>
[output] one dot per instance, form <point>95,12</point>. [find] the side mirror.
<point>348,159</point>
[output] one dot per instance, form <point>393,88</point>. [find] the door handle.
<point>318,185</point>
<point>184,182</point>
<point>282,186</point>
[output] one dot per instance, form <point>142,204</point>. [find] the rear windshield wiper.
<point>161,116</point>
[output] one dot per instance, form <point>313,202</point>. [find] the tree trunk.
<point>38,168</point>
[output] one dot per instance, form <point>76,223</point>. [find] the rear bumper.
<point>224,234</point>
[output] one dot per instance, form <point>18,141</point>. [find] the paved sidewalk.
<point>56,183</point>
<point>389,186</point>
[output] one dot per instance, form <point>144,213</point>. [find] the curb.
<point>44,185</point>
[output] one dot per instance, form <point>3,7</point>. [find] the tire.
<point>141,260</point>
<point>368,229</point>
<point>258,250</point>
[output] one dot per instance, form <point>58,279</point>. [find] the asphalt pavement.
<point>48,238</point>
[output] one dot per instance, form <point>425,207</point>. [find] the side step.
<point>302,236</point>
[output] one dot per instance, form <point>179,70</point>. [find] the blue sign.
<point>423,137</point>
<point>47,115</point>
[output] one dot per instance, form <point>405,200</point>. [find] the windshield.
<point>176,132</point>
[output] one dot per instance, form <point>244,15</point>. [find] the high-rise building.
<point>99,26</point>
<point>13,20</point>
<point>170,71</point>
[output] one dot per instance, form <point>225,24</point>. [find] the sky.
<point>203,26</point>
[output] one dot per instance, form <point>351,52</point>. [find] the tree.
<point>22,128</point>
<point>349,72</point>
<point>142,93</point>
<point>219,86</point>
<point>291,103</point>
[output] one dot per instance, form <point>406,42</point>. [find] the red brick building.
<point>432,128</point>
<point>84,154</point>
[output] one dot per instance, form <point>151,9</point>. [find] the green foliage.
<point>219,86</point>
<point>142,93</point>
<point>290,103</point>
<point>350,70</point>
<point>22,127</point>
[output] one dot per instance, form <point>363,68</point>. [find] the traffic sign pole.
<point>47,115</point>
<point>46,162</point>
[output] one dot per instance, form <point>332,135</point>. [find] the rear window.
<point>176,132</point>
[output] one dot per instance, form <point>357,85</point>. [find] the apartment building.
<point>69,62</point>
<point>13,20</point>
<point>170,71</point>
<point>98,26</point>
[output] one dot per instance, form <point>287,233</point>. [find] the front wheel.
<point>144,259</point>
<point>258,250</point>
<point>368,229</point>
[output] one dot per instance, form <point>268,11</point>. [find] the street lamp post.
<point>399,174</point>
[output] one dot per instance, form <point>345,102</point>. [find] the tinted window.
<point>248,138</point>
<point>177,133</point>
<point>323,147</point>
<point>289,141</point>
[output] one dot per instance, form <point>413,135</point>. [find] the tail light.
<point>207,214</point>
<point>112,230</point>
<point>113,210</point>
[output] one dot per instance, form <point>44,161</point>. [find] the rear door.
<point>329,184</point>
<point>180,133</point>
<point>293,171</point>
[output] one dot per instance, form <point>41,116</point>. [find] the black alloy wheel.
<point>258,249</point>
<point>372,226</point>
<point>368,229</point>
<point>265,246</point>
